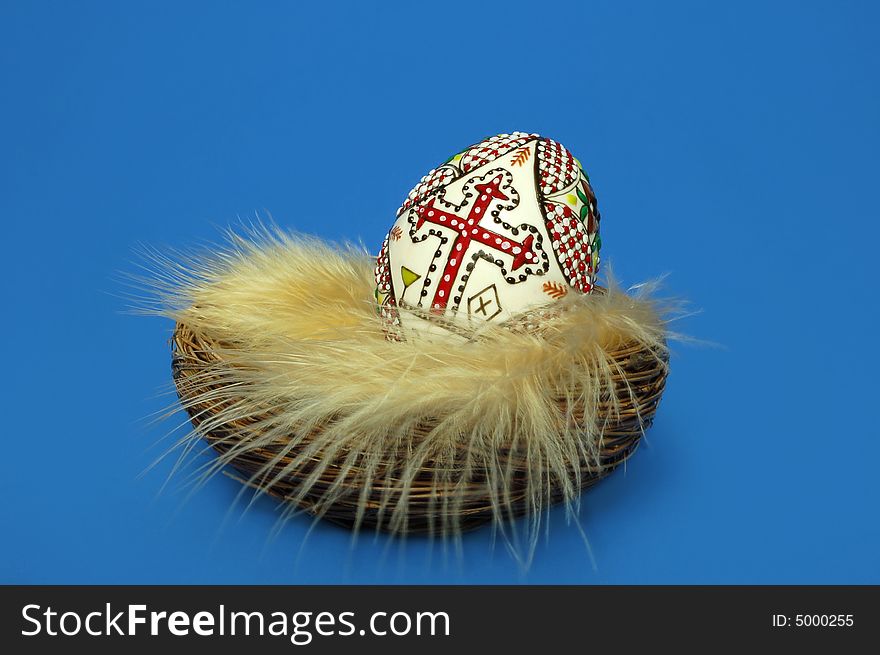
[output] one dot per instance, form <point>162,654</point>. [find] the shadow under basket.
<point>639,380</point>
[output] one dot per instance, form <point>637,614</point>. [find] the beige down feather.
<point>305,353</point>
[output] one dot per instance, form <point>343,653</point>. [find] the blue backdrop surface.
<point>732,145</point>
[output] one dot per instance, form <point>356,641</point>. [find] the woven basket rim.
<point>194,353</point>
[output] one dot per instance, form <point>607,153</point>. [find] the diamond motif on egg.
<point>501,228</point>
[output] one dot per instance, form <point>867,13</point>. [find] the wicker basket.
<point>639,385</point>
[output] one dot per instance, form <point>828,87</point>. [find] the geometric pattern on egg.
<point>504,226</point>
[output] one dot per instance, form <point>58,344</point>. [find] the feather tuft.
<point>297,377</point>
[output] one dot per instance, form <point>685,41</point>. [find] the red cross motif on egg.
<point>506,225</point>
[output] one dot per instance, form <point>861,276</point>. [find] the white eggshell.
<point>504,226</point>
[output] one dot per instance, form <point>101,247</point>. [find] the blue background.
<point>734,146</point>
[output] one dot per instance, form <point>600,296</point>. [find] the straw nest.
<point>285,369</point>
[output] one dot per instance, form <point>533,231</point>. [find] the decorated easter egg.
<point>502,227</point>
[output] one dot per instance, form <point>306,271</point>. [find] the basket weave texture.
<point>638,382</point>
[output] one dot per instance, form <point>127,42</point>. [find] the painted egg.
<point>502,227</point>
